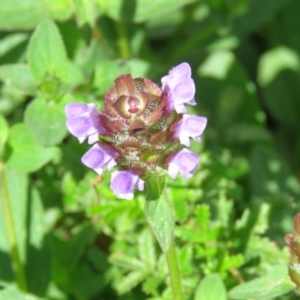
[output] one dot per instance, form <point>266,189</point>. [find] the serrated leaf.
<point>27,155</point>
<point>185,258</point>
<point>275,284</point>
<point>131,280</point>
<point>46,122</point>
<point>211,288</point>
<point>46,52</point>
<point>159,215</point>
<point>203,217</point>
<point>126,261</point>
<point>147,249</point>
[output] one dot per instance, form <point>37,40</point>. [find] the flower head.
<point>141,130</point>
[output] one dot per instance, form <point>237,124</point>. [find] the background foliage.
<point>75,239</point>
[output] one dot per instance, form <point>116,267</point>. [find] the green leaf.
<point>11,293</point>
<point>211,288</point>
<point>27,155</point>
<point>10,41</point>
<point>271,63</point>
<point>20,14</point>
<point>106,72</point>
<point>38,254</point>
<point>217,65</point>
<point>17,189</point>
<point>147,249</point>
<point>160,217</point>
<point>126,261</point>
<point>202,217</point>
<point>19,76</point>
<point>46,53</point>
<point>3,132</point>
<point>275,284</point>
<point>139,68</point>
<point>59,9</point>
<point>46,122</point>
<point>85,11</point>
<point>131,281</point>
<point>140,10</point>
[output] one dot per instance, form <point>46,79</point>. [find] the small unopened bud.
<point>294,273</point>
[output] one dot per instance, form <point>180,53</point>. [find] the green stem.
<point>123,43</point>
<point>174,272</point>
<point>16,261</point>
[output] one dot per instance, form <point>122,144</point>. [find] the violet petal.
<point>123,183</point>
<point>190,126</point>
<point>84,121</point>
<point>179,88</point>
<point>184,162</point>
<point>99,157</point>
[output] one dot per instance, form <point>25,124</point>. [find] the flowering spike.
<point>141,130</point>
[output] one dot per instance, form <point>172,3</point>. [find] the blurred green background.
<point>75,239</point>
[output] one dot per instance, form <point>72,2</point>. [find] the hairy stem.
<point>16,261</point>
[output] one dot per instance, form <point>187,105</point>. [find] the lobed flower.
<point>179,88</point>
<point>123,183</point>
<point>141,131</point>
<point>84,122</point>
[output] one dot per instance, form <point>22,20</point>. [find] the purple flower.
<point>179,88</point>
<point>123,183</point>
<point>189,126</point>
<point>184,162</point>
<point>84,121</point>
<point>100,156</point>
